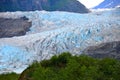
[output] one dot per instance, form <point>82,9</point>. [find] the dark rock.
<point>24,18</point>
<point>48,5</point>
<point>13,27</point>
<point>111,50</point>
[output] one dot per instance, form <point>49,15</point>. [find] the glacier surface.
<point>55,32</point>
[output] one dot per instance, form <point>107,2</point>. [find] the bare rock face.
<point>13,27</point>
<point>110,49</point>
<point>48,5</point>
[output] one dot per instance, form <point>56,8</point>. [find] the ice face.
<point>12,56</point>
<point>55,32</point>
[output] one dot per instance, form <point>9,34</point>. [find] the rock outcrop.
<point>49,5</point>
<point>13,27</point>
<point>110,49</point>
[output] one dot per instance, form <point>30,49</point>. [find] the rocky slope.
<point>13,27</point>
<point>108,4</point>
<point>110,49</point>
<point>49,5</point>
<point>56,32</point>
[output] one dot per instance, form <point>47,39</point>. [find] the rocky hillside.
<point>14,27</point>
<point>49,5</point>
<point>110,49</point>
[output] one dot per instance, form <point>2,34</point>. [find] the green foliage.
<point>68,67</point>
<point>55,4</point>
<point>10,76</point>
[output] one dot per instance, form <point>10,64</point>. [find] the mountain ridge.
<point>108,4</point>
<point>48,5</point>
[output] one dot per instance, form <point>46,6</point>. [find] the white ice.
<point>55,32</point>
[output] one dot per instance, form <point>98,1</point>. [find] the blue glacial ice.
<point>55,32</point>
<point>12,56</point>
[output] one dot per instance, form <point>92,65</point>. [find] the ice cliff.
<point>55,32</point>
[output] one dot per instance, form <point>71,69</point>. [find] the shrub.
<point>68,67</point>
<point>10,76</point>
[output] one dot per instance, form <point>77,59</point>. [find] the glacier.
<point>55,32</point>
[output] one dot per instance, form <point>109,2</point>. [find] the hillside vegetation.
<point>49,5</point>
<point>68,67</point>
<point>10,76</point>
